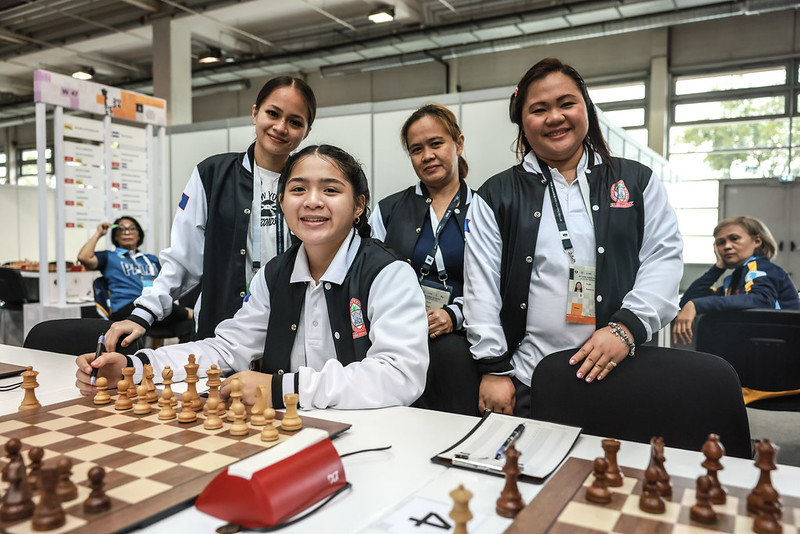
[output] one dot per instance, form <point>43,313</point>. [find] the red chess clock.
<point>272,486</point>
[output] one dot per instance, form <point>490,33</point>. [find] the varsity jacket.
<point>208,244</point>
<point>398,219</point>
<point>758,283</point>
<point>637,253</point>
<point>376,352</point>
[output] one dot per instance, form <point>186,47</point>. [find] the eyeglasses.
<point>126,228</point>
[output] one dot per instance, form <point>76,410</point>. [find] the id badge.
<point>436,296</point>
<point>147,283</point>
<point>580,295</point>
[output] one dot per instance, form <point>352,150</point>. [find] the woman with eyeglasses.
<point>126,269</point>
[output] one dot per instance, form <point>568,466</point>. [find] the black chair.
<point>763,346</point>
<point>71,336</point>
<point>13,295</point>
<point>680,395</point>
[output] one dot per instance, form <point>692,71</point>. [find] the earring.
<point>357,220</point>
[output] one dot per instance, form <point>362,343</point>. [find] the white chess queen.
<point>337,319</point>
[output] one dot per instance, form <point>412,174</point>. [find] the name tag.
<point>436,297</point>
<point>580,295</point>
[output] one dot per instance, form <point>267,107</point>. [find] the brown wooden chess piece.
<point>269,432</point>
<point>123,401</point>
<point>130,387</point>
<point>187,415</point>
<point>48,514</point>
<point>239,427</point>
<point>236,398</point>
<point>702,512</point>
<point>13,446</point>
<point>650,500</point>
<point>765,461</point>
<point>66,490</point>
<point>167,412</point>
<point>510,502</point>
<point>29,384</point>
<point>713,451</point>
<point>257,411</point>
<point>17,501</point>
<point>291,422</point>
<point>35,455</point>
<point>460,512</point>
<point>657,457</point>
<point>769,512</point>
<point>598,492</point>
<point>614,475</point>
<point>102,396</point>
<point>97,501</point>
<point>191,386</point>
<point>142,407</point>
<point>167,396</point>
<point>151,396</point>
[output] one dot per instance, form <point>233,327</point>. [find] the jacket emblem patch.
<point>357,319</point>
<point>620,195</point>
<point>184,201</point>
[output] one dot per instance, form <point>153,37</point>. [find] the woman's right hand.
<point>127,328</point>
<point>102,228</point>
<point>109,365</point>
<point>498,394</point>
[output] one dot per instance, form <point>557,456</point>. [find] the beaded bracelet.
<point>620,333</point>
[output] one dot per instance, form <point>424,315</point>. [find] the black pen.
<point>509,440</point>
<point>98,351</point>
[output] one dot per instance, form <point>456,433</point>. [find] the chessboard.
<point>153,468</point>
<point>561,506</point>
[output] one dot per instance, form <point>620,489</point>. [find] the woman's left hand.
<point>439,323</point>
<point>601,354</point>
<point>250,381</point>
<point>682,327</point>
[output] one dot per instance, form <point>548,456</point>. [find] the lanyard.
<point>137,268</point>
<point>557,211</point>
<point>426,267</point>
<point>255,212</point>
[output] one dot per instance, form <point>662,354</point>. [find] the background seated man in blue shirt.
<point>745,245</point>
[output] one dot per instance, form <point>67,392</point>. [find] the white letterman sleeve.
<point>237,341</point>
<point>654,297</point>
<point>182,262</point>
<point>482,256</point>
<point>394,370</point>
<point>376,223</point>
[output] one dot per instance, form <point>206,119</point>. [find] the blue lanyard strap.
<point>557,211</point>
<point>429,259</point>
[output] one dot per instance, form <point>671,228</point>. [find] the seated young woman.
<point>350,328</point>
<point>745,245</point>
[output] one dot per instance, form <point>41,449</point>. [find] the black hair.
<point>594,140</point>
<point>448,121</point>
<point>288,81</point>
<point>350,168</point>
<point>135,223</point>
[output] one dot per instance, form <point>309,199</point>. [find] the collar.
<point>338,268</point>
<point>531,164</point>
<point>249,156</point>
<point>466,197</point>
<point>119,251</point>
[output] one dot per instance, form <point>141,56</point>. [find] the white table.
<point>382,480</point>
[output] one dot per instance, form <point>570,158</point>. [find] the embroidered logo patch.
<point>357,319</point>
<point>466,225</point>
<point>184,201</point>
<point>620,195</point>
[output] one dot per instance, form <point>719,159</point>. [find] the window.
<point>738,123</point>
<point>28,167</point>
<point>624,104</point>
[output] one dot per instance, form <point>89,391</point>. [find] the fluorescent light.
<point>85,73</point>
<point>214,55</point>
<point>382,14</point>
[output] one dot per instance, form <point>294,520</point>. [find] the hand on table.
<point>250,381</point>
<point>125,332</point>
<point>109,366</point>
<point>601,354</point>
<point>439,323</point>
<point>498,394</point>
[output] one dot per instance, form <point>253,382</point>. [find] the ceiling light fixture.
<point>382,14</point>
<point>214,55</point>
<point>84,73</point>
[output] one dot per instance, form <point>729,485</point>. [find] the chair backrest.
<point>761,345</point>
<point>678,394</point>
<point>102,298</point>
<point>71,336</point>
<point>12,288</point>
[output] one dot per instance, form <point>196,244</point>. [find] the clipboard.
<point>543,445</point>
<point>8,370</point>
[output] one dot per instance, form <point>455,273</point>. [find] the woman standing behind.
<point>424,224</point>
<point>568,213</point>
<point>228,223</point>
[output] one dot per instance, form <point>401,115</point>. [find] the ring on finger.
<point>613,364</point>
